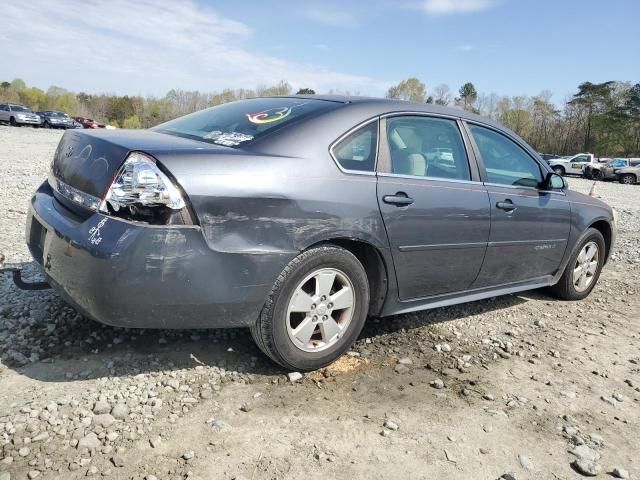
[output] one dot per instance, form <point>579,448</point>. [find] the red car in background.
<point>88,122</point>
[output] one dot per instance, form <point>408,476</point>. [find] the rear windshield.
<point>235,123</point>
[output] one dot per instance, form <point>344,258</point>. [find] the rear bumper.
<point>132,275</point>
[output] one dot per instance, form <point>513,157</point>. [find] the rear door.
<point>435,209</point>
<point>529,225</point>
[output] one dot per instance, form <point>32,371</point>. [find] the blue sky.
<point>509,47</point>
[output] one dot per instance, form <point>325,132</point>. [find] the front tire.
<point>316,309</point>
<point>583,270</point>
<point>558,171</point>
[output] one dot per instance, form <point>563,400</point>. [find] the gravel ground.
<point>522,386</point>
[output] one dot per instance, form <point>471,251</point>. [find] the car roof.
<point>386,105</point>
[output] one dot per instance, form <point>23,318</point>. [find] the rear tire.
<point>583,270</point>
<point>558,170</point>
<point>307,338</point>
<point>12,122</point>
<point>628,179</point>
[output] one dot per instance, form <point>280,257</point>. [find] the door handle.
<point>400,199</point>
<point>507,206</point>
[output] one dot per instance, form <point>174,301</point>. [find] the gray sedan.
<point>301,216</point>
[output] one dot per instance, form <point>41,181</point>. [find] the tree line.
<point>600,118</point>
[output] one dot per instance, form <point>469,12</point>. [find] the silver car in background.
<point>16,115</point>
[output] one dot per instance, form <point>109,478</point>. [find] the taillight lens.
<point>141,191</point>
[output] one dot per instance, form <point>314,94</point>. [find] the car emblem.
<point>69,151</point>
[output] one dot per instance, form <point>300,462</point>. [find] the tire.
<point>595,175</point>
<point>12,122</point>
<point>628,179</point>
<point>46,125</point>
<point>274,331</point>
<point>566,288</point>
<point>558,170</point>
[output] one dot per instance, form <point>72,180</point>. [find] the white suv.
<point>18,115</point>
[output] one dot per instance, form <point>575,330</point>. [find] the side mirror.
<point>554,182</point>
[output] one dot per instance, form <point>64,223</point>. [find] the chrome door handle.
<point>507,205</point>
<point>400,199</point>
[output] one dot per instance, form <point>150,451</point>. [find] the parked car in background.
<point>17,115</point>
<point>53,119</point>
<point>299,217</point>
<point>573,165</point>
<point>548,156</point>
<point>608,171</point>
<point>88,122</point>
<point>629,175</point>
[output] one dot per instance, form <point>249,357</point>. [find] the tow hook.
<point>17,277</point>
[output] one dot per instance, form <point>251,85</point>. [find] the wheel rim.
<point>586,266</point>
<point>558,171</point>
<point>628,179</point>
<point>320,310</point>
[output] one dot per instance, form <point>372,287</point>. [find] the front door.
<point>436,214</point>
<point>529,225</point>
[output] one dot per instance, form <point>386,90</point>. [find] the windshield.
<point>235,123</point>
<point>57,114</point>
<point>18,108</point>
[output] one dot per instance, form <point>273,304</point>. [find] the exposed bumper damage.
<point>133,275</point>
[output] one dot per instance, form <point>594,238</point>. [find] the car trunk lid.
<point>88,160</point>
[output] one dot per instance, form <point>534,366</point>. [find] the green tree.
<point>411,89</point>
<point>306,91</point>
<point>132,122</point>
<point>33,97</point>
<point>67,103</point>
<point>18,84</point>
<point>594,98</point>
<point>468,97</point>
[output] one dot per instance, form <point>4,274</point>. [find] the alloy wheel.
<point>586,266</point>
<point>320,310</point>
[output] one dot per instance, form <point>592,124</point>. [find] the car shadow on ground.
<point>45,339</point>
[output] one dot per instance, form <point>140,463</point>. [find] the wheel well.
<point>558,167</point>
<point>373,264</point>
<point>605,229</point>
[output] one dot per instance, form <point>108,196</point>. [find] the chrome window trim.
<point>518,187</point>
<point>345,135</point>
<point>436,179</point>
<point>413,113</point>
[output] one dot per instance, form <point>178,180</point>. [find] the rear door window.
<point>427,147</point>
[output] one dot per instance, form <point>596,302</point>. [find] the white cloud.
<point>331,16</point>
<point>147,47</point>
<point>448,7</point>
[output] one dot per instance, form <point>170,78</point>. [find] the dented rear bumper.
<point>134,275</point>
